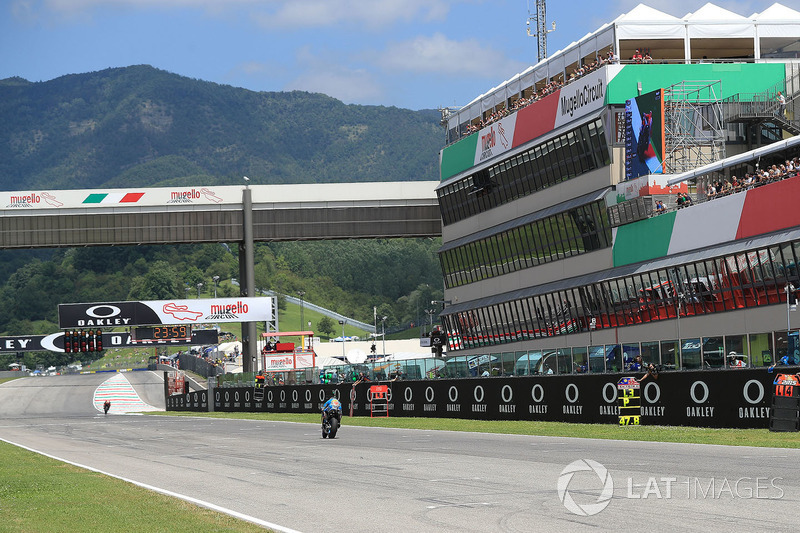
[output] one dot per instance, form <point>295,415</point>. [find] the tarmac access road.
<point>373,479</point>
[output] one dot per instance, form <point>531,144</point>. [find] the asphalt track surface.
<point>371,479</point>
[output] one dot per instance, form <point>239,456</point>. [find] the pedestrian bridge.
<point>168,215</point>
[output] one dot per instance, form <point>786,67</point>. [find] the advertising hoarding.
<point>156,312</point>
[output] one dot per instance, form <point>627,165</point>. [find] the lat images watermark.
<point>585,465</point>
<point>593,485</point>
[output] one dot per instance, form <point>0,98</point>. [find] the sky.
<point>412,54</point>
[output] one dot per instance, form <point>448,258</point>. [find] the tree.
<point>160,283</point>
<point>326,325</point>
<point>193,276</point>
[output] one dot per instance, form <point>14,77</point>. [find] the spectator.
<point>781,104</point>
<point>660,207</point>
<point>650,369</point>
<point>735,362</point>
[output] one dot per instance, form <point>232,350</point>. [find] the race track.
<point>370,479</point>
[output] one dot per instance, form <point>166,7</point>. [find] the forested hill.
<point>140,126</point>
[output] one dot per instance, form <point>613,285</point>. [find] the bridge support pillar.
<point>247,281</point>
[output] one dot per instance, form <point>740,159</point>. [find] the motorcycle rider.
<point>106,406</point>
<point>331,405</point>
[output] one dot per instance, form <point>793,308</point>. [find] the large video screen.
<point>644,135</point>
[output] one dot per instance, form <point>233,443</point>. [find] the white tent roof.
<point>711,21</point>
<point>776,14</point>
<point>646,21</point>
<point>228,347</point>
<point>323,361</point>
<point>778,21</point>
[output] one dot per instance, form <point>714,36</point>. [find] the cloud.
<point>57,10</point>
<point>439,54</point>
<point>370,13</point>
<point>323,72</point>
<point>348,85</point>
<point>284,14</point>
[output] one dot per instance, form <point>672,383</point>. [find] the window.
<point>761,349</point>
<point>690,353</point>
<point>713,352</point>
<point>651,353</point>
<point>566,156</point>
<point>549,239</point>
<point>670,355</point>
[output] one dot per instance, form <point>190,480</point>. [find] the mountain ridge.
<point>141,126</point>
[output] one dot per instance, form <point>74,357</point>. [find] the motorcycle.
<point>331,420</point>
<point>106,407</point>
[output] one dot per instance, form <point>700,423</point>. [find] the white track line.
<point>195,501</point>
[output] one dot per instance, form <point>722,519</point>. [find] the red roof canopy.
<point>288,334</point>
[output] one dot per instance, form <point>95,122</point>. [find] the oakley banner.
<point>702,398</point>
<point>55,341</point>
<point>148,313</point>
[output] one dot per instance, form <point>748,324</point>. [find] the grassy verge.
<point>41,494</point>
<point>724,436</point>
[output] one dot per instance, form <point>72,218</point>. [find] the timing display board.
<point>630,401</point>
<point>785,413</point>
<point>161,333</point>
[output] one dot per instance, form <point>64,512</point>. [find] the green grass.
<point>41,494</point>
<point>731,437</point>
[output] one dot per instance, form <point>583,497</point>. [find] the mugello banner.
<point>157,312</point>
<point>565,105</point>
<point>55,341</point>
<point>288,361</point>
<point>160,196</point>
<point>710,398</point>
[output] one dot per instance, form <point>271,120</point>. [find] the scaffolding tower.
<point>693,125</point>
<point>540,24</point>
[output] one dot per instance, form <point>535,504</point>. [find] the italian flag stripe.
<point>131,197</point>
<point>113,198</point>
<point>94,198</point>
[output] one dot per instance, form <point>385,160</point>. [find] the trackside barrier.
<point>698,398</point>
<point>378,402</point>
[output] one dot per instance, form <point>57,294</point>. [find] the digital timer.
<point>162,333</point>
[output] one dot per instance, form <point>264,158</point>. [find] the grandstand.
<point>551,182</point>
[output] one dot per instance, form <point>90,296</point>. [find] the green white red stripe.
<point>119,391</point>
<point>113,198</point>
